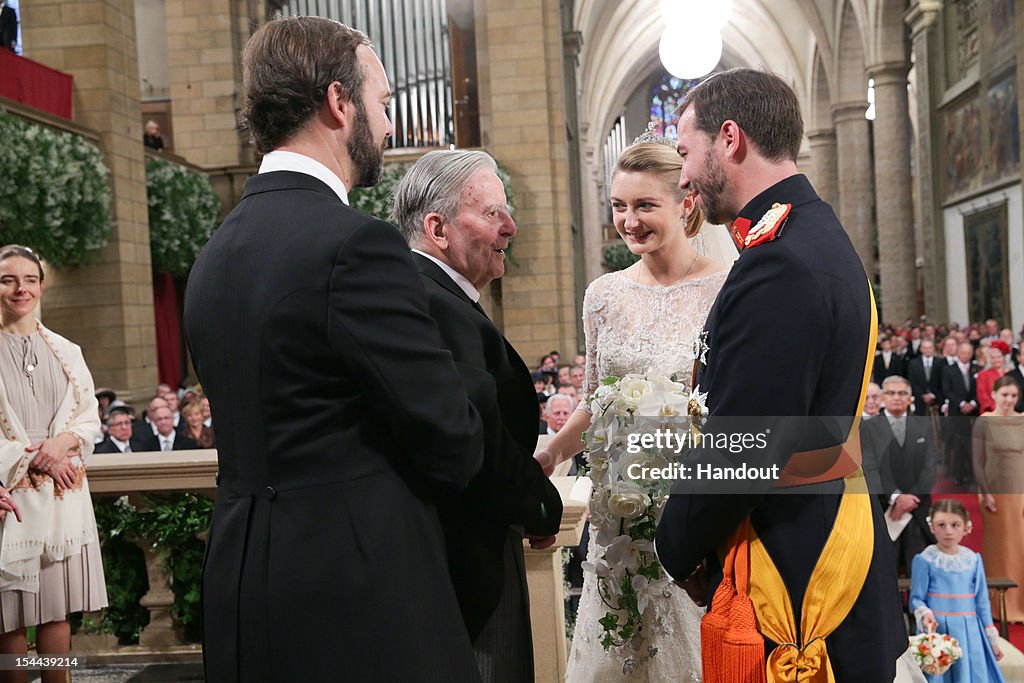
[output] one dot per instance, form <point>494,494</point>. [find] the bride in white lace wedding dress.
<point>646,316</point>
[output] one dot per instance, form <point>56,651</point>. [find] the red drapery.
<point>168,329</point>
<point>34,84</point>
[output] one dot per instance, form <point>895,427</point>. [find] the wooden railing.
<point>116,474</point>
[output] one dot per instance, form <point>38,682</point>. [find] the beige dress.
<point>1000,441</point>
<point>76,583</point>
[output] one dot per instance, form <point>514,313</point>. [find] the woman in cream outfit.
<point>50,562</point>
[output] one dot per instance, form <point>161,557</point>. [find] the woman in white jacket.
<point>50,562</point>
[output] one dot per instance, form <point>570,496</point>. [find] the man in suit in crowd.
<point>925,375</point>
<point>914,345</point>
<point>557,411</point>
<point>167,438</point>
<point>959,391</point>
<point>451,208</point>
<point>900,462</point>
<point>872,400</point>
<point>1018,376</point>
<point>887,361</point>
<point>8,26</point>
<point>340,419</point>
<point>740,132</point>
<point>119,433</point>
<point>145,428</point>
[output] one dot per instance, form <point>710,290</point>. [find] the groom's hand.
<point>696,585</point>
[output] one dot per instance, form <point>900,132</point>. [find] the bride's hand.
<point>547,461</point>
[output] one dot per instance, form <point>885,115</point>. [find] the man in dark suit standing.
<point>925,375</point>
<point>959,391</point>
<point>340,419</point>
<point>900,461</point>
<point>887,362</point>
<point>8,26</point>
<point>451,207</point>
<point>739,134</point>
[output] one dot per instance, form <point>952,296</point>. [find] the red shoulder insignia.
<point>769,227</point>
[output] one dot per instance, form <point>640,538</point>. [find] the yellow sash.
<point>835,583</point>
<point>837,578</point>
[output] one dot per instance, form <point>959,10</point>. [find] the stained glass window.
<point>665,97</point>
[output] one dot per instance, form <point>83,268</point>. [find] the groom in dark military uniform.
<point>790,335</point>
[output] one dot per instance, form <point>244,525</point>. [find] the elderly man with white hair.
<point>451,208</point>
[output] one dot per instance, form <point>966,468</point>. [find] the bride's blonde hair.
<point>663,161</point>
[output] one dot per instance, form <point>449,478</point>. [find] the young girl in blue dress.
<point>949,594</point>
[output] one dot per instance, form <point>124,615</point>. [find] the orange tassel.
<point>732,649</point>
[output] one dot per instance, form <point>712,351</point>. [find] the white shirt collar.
<point>121,445</point>
<point>279,160</point>
<point>169,437</point>
<point>464,284</point>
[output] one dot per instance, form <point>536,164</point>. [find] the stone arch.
<point>889,34</point>
<point>851,82</point>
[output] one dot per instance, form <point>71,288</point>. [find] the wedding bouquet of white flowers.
<point>624,511</point>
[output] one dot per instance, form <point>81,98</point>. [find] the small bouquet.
<point>625,508</point>
<point>935,652</point>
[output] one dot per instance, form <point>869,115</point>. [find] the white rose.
<point>631,390</point>
<point>628,500</point>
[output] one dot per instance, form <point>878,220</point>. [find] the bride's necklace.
<point>676,282</point>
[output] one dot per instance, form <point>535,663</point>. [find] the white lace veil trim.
<point>964,561</point>
<point>713,242</point>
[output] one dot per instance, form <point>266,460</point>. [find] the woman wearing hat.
<point>997,353</point>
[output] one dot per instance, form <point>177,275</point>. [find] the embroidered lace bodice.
<point>631,327</point>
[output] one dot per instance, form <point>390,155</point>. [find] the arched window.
<point>665,97</point>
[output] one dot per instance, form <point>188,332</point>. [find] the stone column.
<point>106,306</point>
<point>522,120</point>
<point>204,44</point>
<point>824,169</point>
<point>856,181</point>
<point>925,37</point>
<point>894,210</point>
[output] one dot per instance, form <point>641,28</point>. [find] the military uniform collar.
<point>763,218</point>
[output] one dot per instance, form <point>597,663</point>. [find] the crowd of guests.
<point>559,389</point>
<point>949,400</point>
<point>172,421</point>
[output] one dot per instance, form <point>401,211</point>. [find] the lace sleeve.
<point>590,306</point>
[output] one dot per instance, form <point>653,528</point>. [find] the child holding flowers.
<point>949,594</point>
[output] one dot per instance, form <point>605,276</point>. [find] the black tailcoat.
<point>339,420</point>
<point>788,336</point>
<point>511,489</point>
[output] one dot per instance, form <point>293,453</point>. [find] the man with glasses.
<point>119,433</point>
<point>900,461</point>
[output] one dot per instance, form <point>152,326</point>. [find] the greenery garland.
<point>172,524</point>
<point>183,213</point>
<point>54,197</point>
